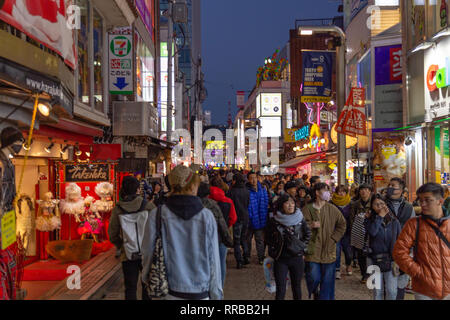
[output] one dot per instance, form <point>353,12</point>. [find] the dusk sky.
<point>237,35</point>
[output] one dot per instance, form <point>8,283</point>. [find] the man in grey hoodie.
<point>130,203</point>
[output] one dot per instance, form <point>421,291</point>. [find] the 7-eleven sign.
<point>120,46</point>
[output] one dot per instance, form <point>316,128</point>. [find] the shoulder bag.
<point>158,285</point>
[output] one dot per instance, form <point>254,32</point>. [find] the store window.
<point>83,53</point>
<point>415,86</point>
<point>98,54</point>
<point>436,16</point>
<point>442,155</point>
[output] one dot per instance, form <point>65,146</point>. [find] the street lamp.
<point>340,86</point>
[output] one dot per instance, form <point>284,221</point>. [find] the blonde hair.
<point>195,180</point>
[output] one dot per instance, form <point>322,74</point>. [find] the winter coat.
<point>402,209</point>
<point>276,229</point>
<point>115,230</point>
<point>191,250</point>
<point>222,229</point>
<point>430,272</point>
<point>324,239</point>
<point>258,207</point>
<point>240,196</point>
<point>383,232</point>
<point>225,204</point>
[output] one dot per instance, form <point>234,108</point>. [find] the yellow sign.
<point>215,145</point>
<point>8,229</point>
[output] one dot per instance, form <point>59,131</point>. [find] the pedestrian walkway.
<point>248,284</point>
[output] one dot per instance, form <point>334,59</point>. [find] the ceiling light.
<point>63,150</point>
<point>11,156</point>
<point>306,32</point>
<point>77,151</point>
<point>88,154</point>
<point>26,147</point>
<point>44,109</point>
<point>49,148</point>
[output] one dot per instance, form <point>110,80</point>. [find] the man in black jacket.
<point>241,198</point>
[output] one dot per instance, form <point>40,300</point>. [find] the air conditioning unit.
<point>135,119</point>
<point>180,13</point>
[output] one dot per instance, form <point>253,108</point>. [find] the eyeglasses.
<point>426,201</point>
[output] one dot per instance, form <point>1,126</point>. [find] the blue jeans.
<point>323,274</point>
<point>223,261</point>
<point>348,250</point>
<point>387,283</point>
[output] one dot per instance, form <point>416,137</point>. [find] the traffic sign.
<point>121,78</point>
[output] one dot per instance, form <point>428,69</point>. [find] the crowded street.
<point>211,151</point>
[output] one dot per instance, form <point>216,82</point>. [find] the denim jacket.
<point>191,250</point>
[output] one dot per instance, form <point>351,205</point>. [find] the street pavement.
<point>248,284</point>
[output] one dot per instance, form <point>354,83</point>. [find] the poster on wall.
<point>45,21</point>
<point>317,75</point>
<point>389,158</point>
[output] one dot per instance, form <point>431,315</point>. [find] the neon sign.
<point>302,133</point>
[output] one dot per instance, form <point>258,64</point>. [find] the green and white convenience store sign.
<point>121,79</point>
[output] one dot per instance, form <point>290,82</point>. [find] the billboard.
<point>146,8</point>
<point>271,104</point>
<point>317,76</point>
<point>45,21</point>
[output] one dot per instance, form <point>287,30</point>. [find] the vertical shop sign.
<point>8,229</point>
<point>121,64</point>
<point>388,90</point>
<point>317,75</point>
<point>355,122</point>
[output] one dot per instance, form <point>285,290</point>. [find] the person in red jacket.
<point>229,213</point>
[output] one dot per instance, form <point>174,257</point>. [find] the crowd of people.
<point>302,223</point>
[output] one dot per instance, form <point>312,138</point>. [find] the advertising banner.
<point>8,229</point>
<point>389,158</point>
<point>45,21</point>
<point>121,64</point>
<point>388,91</point>
<point>146,8</point>
<point>240,99</point>
<point>317,76</point>
<point>271,104</point>
<point>352,120</point>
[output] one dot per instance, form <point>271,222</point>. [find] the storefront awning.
<point>299,161</point>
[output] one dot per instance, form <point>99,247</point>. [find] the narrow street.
<point>248,284</point>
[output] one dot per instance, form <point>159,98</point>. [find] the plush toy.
<point>73,204</point>
<point>104,190</point>
<point>92,223</point>
<point>48,218</point>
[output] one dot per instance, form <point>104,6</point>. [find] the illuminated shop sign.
<point>302,133</point>
<point>438,78</point>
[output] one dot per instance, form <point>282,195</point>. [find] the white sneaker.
<point>338,275</point>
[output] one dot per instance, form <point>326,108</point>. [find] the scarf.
<point>341,201</point>
<point>289,220</point>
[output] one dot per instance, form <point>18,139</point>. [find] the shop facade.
<point>426,95</point>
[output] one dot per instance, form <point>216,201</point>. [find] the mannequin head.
<point>73,192</point>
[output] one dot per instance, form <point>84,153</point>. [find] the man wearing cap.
<point>189,240</point>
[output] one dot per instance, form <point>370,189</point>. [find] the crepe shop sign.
<point>87,173</point>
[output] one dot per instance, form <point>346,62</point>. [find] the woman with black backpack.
<point>383,228</point>
<point>287,236</point>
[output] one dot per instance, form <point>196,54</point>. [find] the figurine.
<point>104,190</point>
<point>48,218</point>
<point>74,204</point>
<point>92,223</point>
